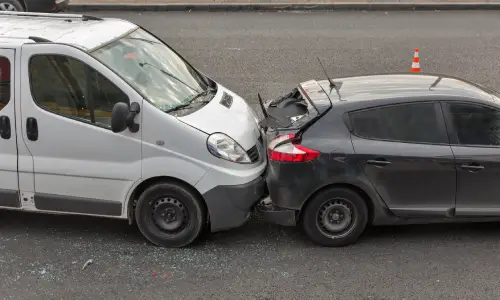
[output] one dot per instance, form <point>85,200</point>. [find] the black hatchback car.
<point>381,150</point>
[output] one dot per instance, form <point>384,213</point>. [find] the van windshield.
<point>153,69</point>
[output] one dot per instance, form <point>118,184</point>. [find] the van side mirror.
<point>134,110</point>
<point>122,117</point>
<point>119,116</point>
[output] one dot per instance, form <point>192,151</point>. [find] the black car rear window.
<point>414,122</point>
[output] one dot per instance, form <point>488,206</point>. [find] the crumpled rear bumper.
<point>274,214</point>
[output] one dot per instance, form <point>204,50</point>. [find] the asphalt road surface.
<point>41,257</point>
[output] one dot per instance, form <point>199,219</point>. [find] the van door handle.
<point>474,167</point>
<point>379,162</point>
<point>32,129</point>
<point>5,127</point>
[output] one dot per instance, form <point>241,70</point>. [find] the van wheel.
<point>335,217</point>
<point>11,5</point>
<point>169,215</point>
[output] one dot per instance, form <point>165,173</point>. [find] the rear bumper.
<point>230,206</point>
<point>274,214</point>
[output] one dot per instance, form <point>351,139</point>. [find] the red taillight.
<point>283,148</point>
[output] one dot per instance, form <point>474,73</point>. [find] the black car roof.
<point>409,86</point>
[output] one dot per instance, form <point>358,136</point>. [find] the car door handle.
<point>472,167</point>
<point>5,127</point>
<point>32,129</point>
<point>380,162</point>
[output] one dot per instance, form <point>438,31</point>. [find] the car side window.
<point>475,124</point>
<point>414,122</point>
<point>4,81</point>
<point>71,88</point>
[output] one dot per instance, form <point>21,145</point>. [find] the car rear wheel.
<point>335,217</point>
<point>170,215</point>
<point>11,5</point>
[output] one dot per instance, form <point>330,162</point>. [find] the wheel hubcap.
<point>7,6</point>
<point>335,216</point>
<point>169,214</point>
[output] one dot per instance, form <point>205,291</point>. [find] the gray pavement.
<point>41,257</point>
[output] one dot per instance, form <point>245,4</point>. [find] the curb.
<point>213,7</point>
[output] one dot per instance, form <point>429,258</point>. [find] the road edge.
<point>231,7</point>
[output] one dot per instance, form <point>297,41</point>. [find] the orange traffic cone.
<point>415,66</point>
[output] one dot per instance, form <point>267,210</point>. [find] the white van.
<point>99,117</point>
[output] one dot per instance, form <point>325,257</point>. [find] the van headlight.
<point>222,146</point>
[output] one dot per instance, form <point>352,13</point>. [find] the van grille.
<point>253,153</point>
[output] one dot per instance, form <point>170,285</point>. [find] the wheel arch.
<point>141,187</point>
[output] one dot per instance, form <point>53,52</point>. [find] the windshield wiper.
<point>178,107</point>
<point>184,105</point>
<point>142,64</point>
<point>141,39</point>
<point>204,93</point>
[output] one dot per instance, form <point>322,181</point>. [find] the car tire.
<point>335,217</point>
<point>170,215</point>
<point>11,5</point>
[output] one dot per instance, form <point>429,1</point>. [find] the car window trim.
<point>451,127</point>
<point>82,120</point>
<point>438,112</point>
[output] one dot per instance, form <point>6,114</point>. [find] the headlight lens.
<point>222,146</point>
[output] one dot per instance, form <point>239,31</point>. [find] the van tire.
<point>16,4</point>
<point>170,215</point>
<point>335,217</point>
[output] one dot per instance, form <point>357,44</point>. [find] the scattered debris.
<point>87,263</point>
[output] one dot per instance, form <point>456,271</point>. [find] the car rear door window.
<point>414,123</point>
<point>475,124</point>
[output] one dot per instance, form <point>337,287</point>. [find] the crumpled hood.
<point>229,114</point>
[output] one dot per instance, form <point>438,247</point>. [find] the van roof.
<point>79,30</point>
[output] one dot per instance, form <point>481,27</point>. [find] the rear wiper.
<point>142,64</point>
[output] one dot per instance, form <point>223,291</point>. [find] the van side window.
<point>4,81</point>
<point>71,88</point>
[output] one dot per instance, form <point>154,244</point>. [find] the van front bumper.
<point>230,206</point>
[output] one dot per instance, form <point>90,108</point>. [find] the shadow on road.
<point>42,226</point>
